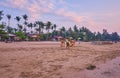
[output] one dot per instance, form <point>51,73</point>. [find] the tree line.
<point>48,30</point>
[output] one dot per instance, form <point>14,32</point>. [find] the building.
<point>33,37</point>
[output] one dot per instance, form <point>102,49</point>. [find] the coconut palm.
<point>30,25</point>
<point>48,27</point>
<point>9,29</point>
<point>40,26</point>
<point>9,17</point>
<point>15,30</point>
<point>75,29</point>
<point>25,17</point>
<point>1,14</point>
<point>20,27</point>
<point>2,26</point>
<point>63,31</point>
<point>70,30</point>
<point>55,26</point>
<point>54,30</point>
<point>17,18</point>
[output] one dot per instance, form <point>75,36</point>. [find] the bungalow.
<point>11,37</point>
<point>34,37</point>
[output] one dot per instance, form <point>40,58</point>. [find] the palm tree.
<point>53,29</point>
<point>41,26</point>
<point>20,27</point>
<point>9,17</point>
<point>63,31</point>
<point>1,14</point>
<point>18,20</point>
<point>25,17</point>
<point>2,26</point>
<point>9,29</point>
<point>48,27</point>
<point>15,30</point>
<point>75,29</point>
<point>70,30</point>
<point>54,26</point>
<point>30,25</point>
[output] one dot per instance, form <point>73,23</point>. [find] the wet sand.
<point>49,60</point>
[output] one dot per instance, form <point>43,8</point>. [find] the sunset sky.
<point>93,14</point>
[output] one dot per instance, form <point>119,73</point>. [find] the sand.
<point>49,60</point>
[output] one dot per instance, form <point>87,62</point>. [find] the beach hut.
<point>17,38</point>
<point>34,37</point>
<point>11,37</point>
<point>60,37</point>
<point>57,38</point>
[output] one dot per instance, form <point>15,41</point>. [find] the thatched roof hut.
<point>33,36</point>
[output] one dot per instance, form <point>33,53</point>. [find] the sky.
<point>93,14</point>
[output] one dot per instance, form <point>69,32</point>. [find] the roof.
<point>33,35</point>
<point>12,35</point>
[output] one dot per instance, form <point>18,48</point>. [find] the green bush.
<point>21,35</point>
<point>5,36</point>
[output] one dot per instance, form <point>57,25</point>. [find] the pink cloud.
<point>74,17</point>
<point>68,14</point>
<point>51,5</point>
<point>17,3</point>
<point>47,4</point>
<point>34,8</point>
<point>14,3</point>
<point>37,7</point>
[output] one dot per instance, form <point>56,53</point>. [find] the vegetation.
<point>21,35</point>
<point>48,31</point>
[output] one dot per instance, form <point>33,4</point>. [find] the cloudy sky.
<point>94,14</point>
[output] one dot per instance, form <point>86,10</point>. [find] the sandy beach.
<point>49,60</point>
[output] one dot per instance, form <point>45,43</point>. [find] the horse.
<point>67,43</point>
<point>72,43</point>
<point>62,42</point>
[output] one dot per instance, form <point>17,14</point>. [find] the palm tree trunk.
<point>48,35</point>
<point>8,22</point>
<point>25,27</point>
<point>39,30</point>
<point>42,30</point>
<point>31,30</point>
